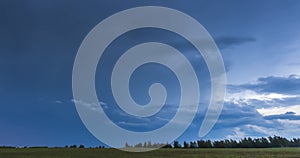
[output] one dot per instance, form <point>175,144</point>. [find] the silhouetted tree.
<point>73,146</point>
<point>176,144</point>
<point>126,145</point>
<point>186,145</point>
<point>149,144</point>
<point>295,142</point>
<point>139,145</point>
<point>167,146</point>
<point>193,144</point>
<point>81,146</point>
<point>218,144</point>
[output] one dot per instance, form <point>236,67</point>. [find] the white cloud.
<point>93,106</point>
<point>246,97</point>
<point>279,110</point>
<point>58,102</point>
<point>103,103</point>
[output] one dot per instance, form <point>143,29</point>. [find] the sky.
<point>258,40</point>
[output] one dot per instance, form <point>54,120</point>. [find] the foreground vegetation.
<point>165,153</point>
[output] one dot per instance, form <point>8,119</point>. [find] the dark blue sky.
<point>259,42</point>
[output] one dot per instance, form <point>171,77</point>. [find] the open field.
<point>165,153</point>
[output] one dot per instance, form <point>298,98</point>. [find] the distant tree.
<point>204,144</point>
<point>246,143</point>
<point>234,143</point>
<point>261,142</point>
<point>66,146</point>
<point>81,146</point>
<point>149,144</point>
<point>176,144</point>
<point>295,142</point>
<point>278,141</point>
<point>265,142</point>
<point>186,145</point>
<point>201,143</point>
<point>126,145</point>
<point>250,142</point>
<point>219,144</point>
<point>227,143</point>
<point>73,146</point>
<point>284,142</point>
<point>167,146</point>
<point>140,145</point>
<point>208,144</point>
<point>193,144</point>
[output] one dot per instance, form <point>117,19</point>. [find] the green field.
<point>165,153</point>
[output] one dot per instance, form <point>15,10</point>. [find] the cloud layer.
<point>268,106</point>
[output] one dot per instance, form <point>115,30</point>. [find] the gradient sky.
<point>259,42</point>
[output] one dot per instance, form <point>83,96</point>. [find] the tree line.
<point>263,142</point>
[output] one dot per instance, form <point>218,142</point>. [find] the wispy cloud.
<point>230,41</point>
<point>283,127</point>
<point>58,102</point>
<point>93,106</point>
<point>237,134</point>
<point>132,124</point>
<point>260,129</point>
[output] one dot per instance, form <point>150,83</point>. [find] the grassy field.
<point>161,153</point>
